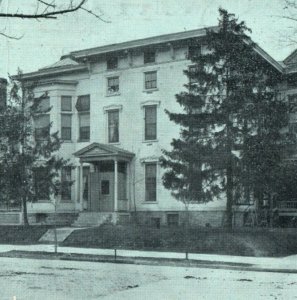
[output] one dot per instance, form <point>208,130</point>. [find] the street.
<point>32,279</point>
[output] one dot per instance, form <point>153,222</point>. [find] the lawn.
<point>12,234</point>
<point>239,241</point>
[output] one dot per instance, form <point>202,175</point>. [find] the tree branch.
<point>46,15</point>
<point>47,4</point>
<point>11,37</point>
<point>95,15</point>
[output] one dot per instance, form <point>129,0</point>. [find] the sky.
<point>43,42</point>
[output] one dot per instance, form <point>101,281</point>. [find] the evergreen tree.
<point>231,141</point>
<point>29,161</point>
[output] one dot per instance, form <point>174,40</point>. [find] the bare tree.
<point>49,10</point>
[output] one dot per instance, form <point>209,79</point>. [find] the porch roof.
<point>97,152</point>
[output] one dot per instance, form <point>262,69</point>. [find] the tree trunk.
<point>229,193</point>
<point>25,213</point>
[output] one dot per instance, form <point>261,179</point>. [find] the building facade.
<point>108,105</point>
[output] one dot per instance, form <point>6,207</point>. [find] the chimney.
<point>3,93</point>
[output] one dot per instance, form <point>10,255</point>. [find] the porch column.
<point>128,185</point>
<point>115,185</point>
<point>81,185</point>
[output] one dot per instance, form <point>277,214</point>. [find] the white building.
<point>108,105</point>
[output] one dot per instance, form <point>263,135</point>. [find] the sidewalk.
<point>268,263</point>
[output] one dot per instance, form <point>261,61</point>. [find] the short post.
<point>187,255</point>
<point>115,254</point>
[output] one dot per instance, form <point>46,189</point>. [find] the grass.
<point>240,241</point>
<point>12,234</point>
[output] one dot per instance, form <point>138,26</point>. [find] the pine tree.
<point>230,142</point>
<point>26,150</point>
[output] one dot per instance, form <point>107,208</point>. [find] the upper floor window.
<point>42,120</point>
<point>112,63</point>
<point>194,51</point>
<point>192,77</point>
<point>83,108</point>
<point>66,183</point>
<point>113,126</point>
<point>149,56</point>
<point>150,119</point>
<point>113,85</point>
<point>66,117</point>
<point>150,80</point>
<point>150,182</point>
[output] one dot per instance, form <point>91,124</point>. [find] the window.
<point>66,183</point>
<point>105,187</point>
<point>156,222</point>
<point>113,85</point>
<point>150,80</point>
<point>42,120</point>
<point>293,113</point>
<point>66,127</point>
<point>41,184</point>
<point>149,56</point>
<point>66,118</point>
<point>83,108</point>
<point>112,63</point>
<point>192,77</point>
<point>66,103</point>
<point>150,130</point>
<point>172,220</point>
<point>194,51</point>
<point>150,182</point>
<point>113,126</point>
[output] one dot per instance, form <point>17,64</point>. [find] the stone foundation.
<point>178,218</point>
<point>60,219</point>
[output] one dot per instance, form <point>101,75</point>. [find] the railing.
<point>287,205</point>
<point>10,206</point>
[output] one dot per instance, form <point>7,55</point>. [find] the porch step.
<point>62,234</point>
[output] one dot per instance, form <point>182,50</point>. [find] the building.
<point>108,105</point>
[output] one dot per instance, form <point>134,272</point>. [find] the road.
<point>30,279</point>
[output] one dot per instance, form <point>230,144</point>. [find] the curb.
<point>176,262</point>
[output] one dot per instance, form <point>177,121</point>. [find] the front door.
<point>106,191</point>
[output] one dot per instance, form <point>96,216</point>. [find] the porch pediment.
<point>97,152</point>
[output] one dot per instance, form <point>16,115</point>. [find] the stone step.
<point>62,234</point>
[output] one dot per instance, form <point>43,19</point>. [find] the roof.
<point>50,71</point>
<point>98,151</point>
<point>74,61</point>
<point>160,39</point>
<point>62,63</point>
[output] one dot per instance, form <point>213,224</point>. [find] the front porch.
<point>105,177</point>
